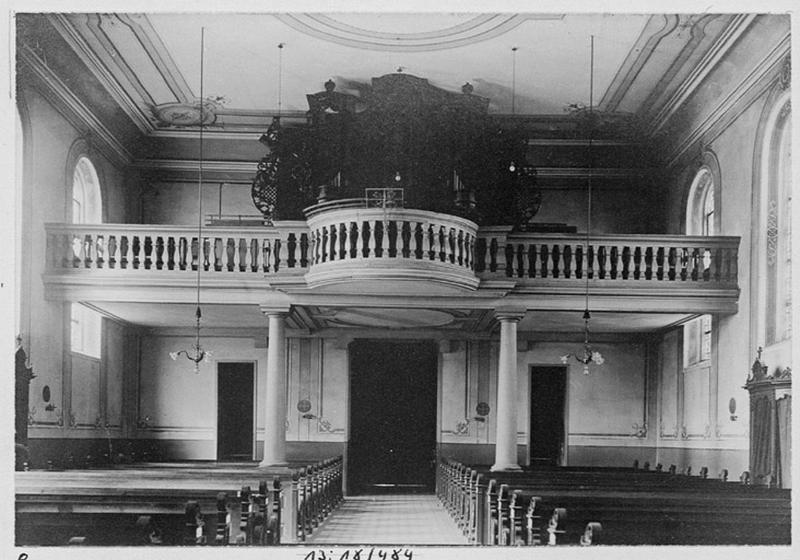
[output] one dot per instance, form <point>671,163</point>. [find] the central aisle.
<point>389,519</point>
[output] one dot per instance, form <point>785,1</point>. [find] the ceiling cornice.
<point>723,44</point>
<point>746,91</point>
<point>72,107</point>
<point>99,70</point>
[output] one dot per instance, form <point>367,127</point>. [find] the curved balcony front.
<point>352,245</point>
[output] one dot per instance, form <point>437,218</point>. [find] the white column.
<point>275,397</point>
<point>505,454</point>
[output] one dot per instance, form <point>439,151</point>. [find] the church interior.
<point>505,278</point>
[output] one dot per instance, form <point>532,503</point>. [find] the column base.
<point>505,467</point>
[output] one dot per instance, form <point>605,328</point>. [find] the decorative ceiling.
<point>526,64</point>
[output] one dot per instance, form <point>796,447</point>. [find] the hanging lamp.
<point>197,354</point>
<point>587,355</point>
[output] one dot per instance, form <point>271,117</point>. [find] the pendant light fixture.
<point>197,354</point>
<point>587,355</point>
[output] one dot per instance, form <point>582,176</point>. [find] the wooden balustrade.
<point>132,248</point>
<point>316,491</point>
<point>395,237</point>
<point>349,234</point>
<point>652,258</point>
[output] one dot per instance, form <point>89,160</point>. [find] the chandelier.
<point>197,354</point>
<point>587,355</point>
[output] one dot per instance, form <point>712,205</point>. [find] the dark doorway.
<point>392,417</point>
<point>548,393</point>
<point>235,411</point>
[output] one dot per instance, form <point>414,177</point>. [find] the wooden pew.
<point>684,509</point>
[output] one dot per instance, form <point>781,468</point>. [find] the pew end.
<point>557,525</point>
<point>592,534</point>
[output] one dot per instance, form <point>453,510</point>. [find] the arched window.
<point>85,324</point>
<point>702,218</point>
<point>87,207</point>
<point>776,201</point>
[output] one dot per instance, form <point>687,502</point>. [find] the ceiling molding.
<point>194,164</point>
<point>640,53</point>
<point>740,97</point>
<point>698,34</point>
<point>157,51</point>
<point>72,107</point>
<point>479,28</point>
<point>82,49</point>
<point>723,44</point>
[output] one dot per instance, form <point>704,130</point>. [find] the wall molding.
<point>71,107</point>
<point>721,47</point>
<point>68,32</point>
<point>747,91</point>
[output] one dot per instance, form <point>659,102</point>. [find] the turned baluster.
<point>385,239</point>
<point>370,248</point>
<point>266,251</point>
<point>334,239</point>
<point>233,259</point>
<point>522,260</point>
<point>254,254</point>
<point>344,241</point>
<point>544,261</point>
<point>441,238</point>
<point>588,261</point>
<point>493,255</point>
<point>616,262</point>
<point>114,250</point>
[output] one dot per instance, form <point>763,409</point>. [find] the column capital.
<point>506,314</point>
<point>272,310</point>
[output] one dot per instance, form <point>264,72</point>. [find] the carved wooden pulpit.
<point>770,425</point>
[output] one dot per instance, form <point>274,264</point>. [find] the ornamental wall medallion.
<point>185,114</point>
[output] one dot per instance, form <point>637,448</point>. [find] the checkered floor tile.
<point>389,519</point>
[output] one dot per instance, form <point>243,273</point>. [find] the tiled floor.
<point>389,519</point>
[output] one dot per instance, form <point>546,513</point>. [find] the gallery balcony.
<point>347,247</point>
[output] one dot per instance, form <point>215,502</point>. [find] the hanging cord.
<point>198,313</point>
<point>280,76</point>
<point>513,80</point>
<point>586,315</point>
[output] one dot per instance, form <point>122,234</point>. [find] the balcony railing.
<point>143,248</point>
<point>643,259</point>
<point>380,239</point>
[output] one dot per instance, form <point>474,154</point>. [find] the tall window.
<point>85,331</point>
<point>85,324</point>
<point>778,308</point>
<point>701,219</point>
<point>86,202</point>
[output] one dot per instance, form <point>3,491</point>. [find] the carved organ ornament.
<point>441,148</point>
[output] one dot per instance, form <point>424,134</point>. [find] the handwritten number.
<point>310,556</point>
<point>357,555</point>
<point>23,556</point>
<point>345,556</point>
<point>408,554</point>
